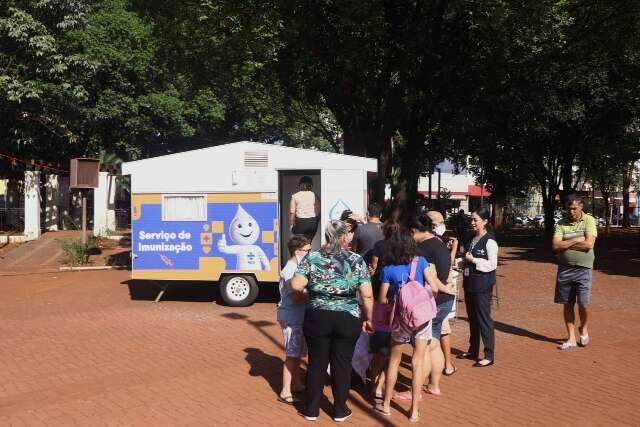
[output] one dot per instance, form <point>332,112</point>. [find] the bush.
<point>75,252</point>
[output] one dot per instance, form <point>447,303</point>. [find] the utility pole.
<point>430,177</point>
<point>482,188</point>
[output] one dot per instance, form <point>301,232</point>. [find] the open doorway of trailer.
<point>288,184</point>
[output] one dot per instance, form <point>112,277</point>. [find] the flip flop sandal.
<point>289,400</point>
<point>567,346</point>
<point>405,395</point>
<point>584,340</point>
<point>448,374</point>
<point>380,408</point>
<point>432,392</point>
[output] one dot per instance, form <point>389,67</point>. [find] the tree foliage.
<point>524,93</point>
<point>38,89</point>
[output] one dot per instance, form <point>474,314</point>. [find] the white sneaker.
<point>342,419</point>
<point>307,417</point>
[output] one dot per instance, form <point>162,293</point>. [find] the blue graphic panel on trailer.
<point>241,234</point>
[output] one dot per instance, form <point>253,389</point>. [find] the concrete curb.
<point>116,237</point>
<point>13,239</point>
<point>88,268</point>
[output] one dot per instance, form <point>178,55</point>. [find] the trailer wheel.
<point>238,290</point>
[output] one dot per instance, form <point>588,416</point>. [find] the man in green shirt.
<point>573,240</point>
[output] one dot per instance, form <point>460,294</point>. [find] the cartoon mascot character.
<point>244,231</point>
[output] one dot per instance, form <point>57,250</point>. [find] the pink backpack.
<point>415,304</point>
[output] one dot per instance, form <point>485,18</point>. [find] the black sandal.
<point>467,355</point>
<point>289,400</point>
<point>482,365</point>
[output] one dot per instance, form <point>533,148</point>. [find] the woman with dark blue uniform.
<point>480,263</point>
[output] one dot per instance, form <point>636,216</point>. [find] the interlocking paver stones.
<point>75,349</point>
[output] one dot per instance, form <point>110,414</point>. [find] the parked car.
<point>520,220</point>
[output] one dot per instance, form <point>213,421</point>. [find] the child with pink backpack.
<point>409,282</point>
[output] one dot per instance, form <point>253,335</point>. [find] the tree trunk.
<point>359,143</point>
<point>412,161</point>
<point>607,209</point>
<point>567,177</point>
<point>626,209</point>
<point>384,166</point>
<point>355,142</point>
<point>497,214</point>
<point>548,204</point>
<point>626,187</point>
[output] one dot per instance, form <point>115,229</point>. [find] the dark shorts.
<point>380,342</point>
<point>445,305</point>
<point>573,284</point>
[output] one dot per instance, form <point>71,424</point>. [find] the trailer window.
<point>184,207</point>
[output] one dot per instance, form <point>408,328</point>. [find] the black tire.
<point>238,290</point>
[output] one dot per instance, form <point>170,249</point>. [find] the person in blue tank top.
<point>401,250</point>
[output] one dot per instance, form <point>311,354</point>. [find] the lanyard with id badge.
<point>467,270</point>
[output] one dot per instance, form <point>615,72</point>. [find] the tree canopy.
<point>527,94</point>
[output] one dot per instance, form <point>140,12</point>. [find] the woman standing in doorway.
<point>480,264</point>
<point>304,209</point>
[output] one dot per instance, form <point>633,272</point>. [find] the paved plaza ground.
<point>91,349</point>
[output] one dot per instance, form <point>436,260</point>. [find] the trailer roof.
<point>211,169</point>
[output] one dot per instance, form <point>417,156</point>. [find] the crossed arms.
<point>581,243</point>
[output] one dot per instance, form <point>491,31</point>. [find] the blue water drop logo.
<point>337,209</point>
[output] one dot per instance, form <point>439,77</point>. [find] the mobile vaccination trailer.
<point>221,214</point>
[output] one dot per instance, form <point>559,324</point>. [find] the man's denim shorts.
<point>573,283</point>
<point>445,305</point>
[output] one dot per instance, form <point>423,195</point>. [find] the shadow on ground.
<point>265,366</point>
<point>521,332</point>
<point>192,291</point>
<point>120,260</point>
<point>270,368</point>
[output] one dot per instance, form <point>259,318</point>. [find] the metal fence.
<point>123,219</point>
<point>12,219</point>
<point>71,218</point>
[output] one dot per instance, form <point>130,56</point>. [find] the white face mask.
<point>440,229</point>
<point>300,257</point>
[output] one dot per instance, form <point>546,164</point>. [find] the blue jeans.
<point>445,305</point>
